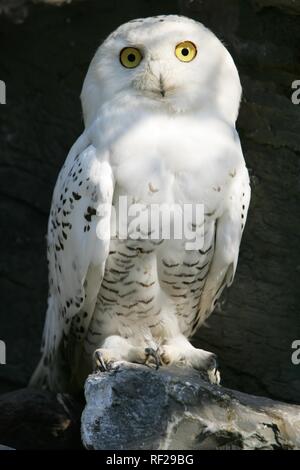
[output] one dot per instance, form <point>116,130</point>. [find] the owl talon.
<point>152,353</point>
<point>213,371</point>
<point>100,364</point>
<point>214,376</point>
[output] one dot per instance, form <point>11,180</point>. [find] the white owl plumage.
<point>161,132</point>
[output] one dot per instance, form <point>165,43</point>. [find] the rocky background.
<point>45,50</point>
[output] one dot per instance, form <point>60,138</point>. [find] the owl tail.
<point>49,375</point>
<point>50,372</point>
<point>40,377</point>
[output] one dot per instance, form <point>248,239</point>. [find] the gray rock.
<point>136,407</point>
<point>6,448</point>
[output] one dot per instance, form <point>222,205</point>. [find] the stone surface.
<point>33,419</point>
<point>258,320</point>
<point>136,407</point>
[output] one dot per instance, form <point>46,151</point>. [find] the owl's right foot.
<point>103,361</point>
<point>116,350</point>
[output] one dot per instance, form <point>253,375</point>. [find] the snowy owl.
<point>160,102</point>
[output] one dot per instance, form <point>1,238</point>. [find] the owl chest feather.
<point>163,159</point>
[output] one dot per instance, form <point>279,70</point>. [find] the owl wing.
<point>78,245</point>
<point>228,234</point>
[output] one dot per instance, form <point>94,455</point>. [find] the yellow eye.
<point>186,51</point>
<point>130,57</point>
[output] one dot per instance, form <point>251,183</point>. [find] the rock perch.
<point>136,407</point>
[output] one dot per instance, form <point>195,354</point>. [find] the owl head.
<point>168,62</point>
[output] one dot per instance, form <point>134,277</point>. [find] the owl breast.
<point>163,160</point>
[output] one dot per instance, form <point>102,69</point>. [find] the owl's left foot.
<point>179,351</point>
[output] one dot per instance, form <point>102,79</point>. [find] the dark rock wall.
<point>43,60</point>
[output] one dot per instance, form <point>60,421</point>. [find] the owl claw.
<point>213,371</point>
<point>100,364</point>
<point>152,353</point>
<point>214,376</point>
<point>213,364</point>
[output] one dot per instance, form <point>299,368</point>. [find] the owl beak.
<point>153,82</point>
<point>155,71</point>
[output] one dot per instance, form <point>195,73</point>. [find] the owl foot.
<point>179,351</point>
<point>154,355</point>
<point>116,350</point>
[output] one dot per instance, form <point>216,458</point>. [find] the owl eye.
<point>130,57</point>
<point>186,51</point>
